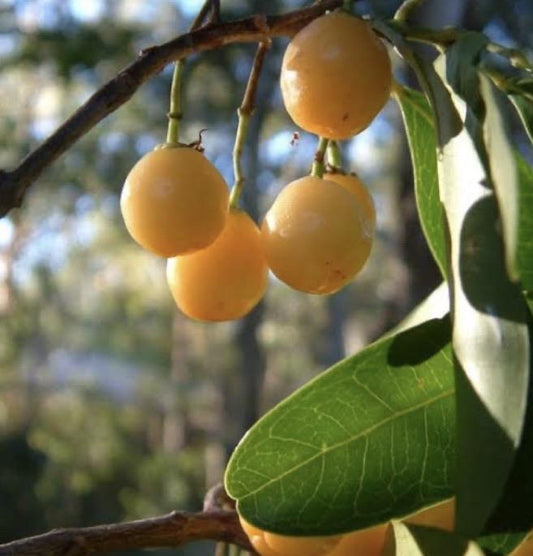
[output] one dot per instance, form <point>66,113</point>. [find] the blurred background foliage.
<point>113,405</point>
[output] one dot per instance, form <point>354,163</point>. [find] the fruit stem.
<point>244,113</point>
<point>317,169</point>
<point>238,184</point>
<point>174,114</point>
<point>334,156</point>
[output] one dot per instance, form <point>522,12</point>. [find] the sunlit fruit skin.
<point>315,236</point>
<point>352,183</point>
<point>335,76</point>
<point>271,544</point>
<point>225,280</point>
<point>174,201</point>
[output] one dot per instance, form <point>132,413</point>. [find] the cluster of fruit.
<point>317,235</point>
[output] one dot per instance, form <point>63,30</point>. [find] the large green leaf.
<point>413,540</point>
<point>420,128</point>
<point>370,439</point>
<point>490,337</point>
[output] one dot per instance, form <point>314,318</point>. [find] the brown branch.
<point>172,530</point>
<point>14,183</point>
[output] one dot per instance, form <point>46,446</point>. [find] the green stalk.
<point>334,156</point>
<point>244,113</point>
<point>174,114</point>
<point>238,185</point>
<point>317,169</point>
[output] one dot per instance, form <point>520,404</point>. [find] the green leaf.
<point>368,440</point>
<point>503,172</point>
<point>524,107</point>
<point>525,230</point>
<point>420,128</point>
<point>413,540</point>
<point>490,337</point>
<point>501,544</point>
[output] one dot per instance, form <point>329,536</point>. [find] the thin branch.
<point>202,14</point>
<point>171,530</point>
<point>257,28</point>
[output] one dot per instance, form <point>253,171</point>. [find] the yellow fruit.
<point>441,515</point>
<point>352,183</point>
<point>335,76</point>
<point>365,542</point>
<point>270,544</point>
<point>225,280</point>
<point>315,237</point>
<point>174,201</point>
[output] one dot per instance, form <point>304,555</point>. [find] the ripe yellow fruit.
<point>352,183</point>
<point>315,237</point>
<point>335,76</point>
<point>365,542</point>
<point>174,201</point>
<point>225,280</point>
<point>270,544</point>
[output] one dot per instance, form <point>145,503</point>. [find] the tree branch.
<point>171,530</point>
<point>14,183</point>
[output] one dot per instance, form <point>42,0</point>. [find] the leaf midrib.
<point>359,435</point>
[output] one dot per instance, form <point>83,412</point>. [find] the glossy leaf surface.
<point>370,439</point>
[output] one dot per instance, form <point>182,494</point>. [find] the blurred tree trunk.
<point>176,431</point>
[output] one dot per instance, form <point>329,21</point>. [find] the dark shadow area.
<point>21,466</point>
<point>420,343</point>
<point>485,456</point>
<point>437,542</point>
<point>514,512</point>
<point>482,269</point>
